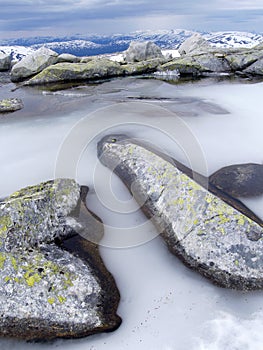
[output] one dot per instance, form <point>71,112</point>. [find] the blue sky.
<point>20,18</point>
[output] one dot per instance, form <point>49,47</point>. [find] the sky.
<point>25,18</point>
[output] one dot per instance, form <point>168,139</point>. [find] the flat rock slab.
<point>53,282</point>
<point>10,105</point>
<point>205,232</point>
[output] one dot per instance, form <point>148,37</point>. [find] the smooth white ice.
<point>164,305</point>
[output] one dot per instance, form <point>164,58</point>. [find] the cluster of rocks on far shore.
<point>197,58</point>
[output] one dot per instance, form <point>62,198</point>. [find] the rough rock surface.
<point>195,44</point>
<point>209,235</point>
<point>199,58</point>
<point>256,68</point>
<point>239,180</point>
<point>49,286</point>
<point>5,62</point>
<point>33,63</point>
<point>10,105</point>
<point>142,51</point>
<point>93,69</point>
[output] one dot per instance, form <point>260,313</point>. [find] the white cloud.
<point>121,15</point>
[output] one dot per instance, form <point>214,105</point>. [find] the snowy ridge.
<point>97,45</point>
<point>234,39</point>
<point>65,46</point>
<point>16,52</point>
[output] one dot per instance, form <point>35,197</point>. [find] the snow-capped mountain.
<point>78,47</point>
<point>102,44</point>
<point>234,39</point>
<point>16,52</point>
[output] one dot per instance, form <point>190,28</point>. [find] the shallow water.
<point>204,124</point>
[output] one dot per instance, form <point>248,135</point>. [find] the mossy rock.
<point>10,105</point>
<point>54,277</point>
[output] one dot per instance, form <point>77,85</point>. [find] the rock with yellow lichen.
<point>10,105</point>
<point>219,240</point>
<point>52,281</point>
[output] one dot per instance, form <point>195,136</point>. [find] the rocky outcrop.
<point>5,62</point>
<point>52,285</point>
<point>205,232</point>
<point>142,51</point>
<point>239,180</point>
<point>33,63</point>
<point>97,68</point>
<point>10,105</point>
<point>199,58</point>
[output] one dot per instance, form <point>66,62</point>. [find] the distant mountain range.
<point>80,45</point>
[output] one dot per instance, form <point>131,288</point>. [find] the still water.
<point>207,125</point>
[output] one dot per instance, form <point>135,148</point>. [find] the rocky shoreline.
<point>197,58</point>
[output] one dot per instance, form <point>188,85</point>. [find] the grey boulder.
<point>204,231</point>
<point>53,283</point>
<point>10,105</point>
<point>33,64</point>
<point>5,62</point>
<point>142,51</point>
<point>193,45</point>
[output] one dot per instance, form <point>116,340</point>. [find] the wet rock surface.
<point>53,282</point>
<point>239,180</point>
<point>10,105</point>
<point>205,232</point>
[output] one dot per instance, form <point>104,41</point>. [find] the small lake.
<point>206,124</point>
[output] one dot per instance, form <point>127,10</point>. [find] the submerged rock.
<point>52,287</point>
<point>10,105</point>
<point>142,51</point>
<point>204,231</point>
<point>33,63</point>
<point>239,180</point>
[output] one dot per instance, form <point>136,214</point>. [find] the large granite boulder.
<point>52,285</point>
<point>63,72</point>
<point>5,62</point>
<point>193,45</point>
<point>204,231</point>
<point>142,51</point>
<point>33,64</point>
<point>10,105</point>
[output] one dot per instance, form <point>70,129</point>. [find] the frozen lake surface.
<point>207,125</point>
